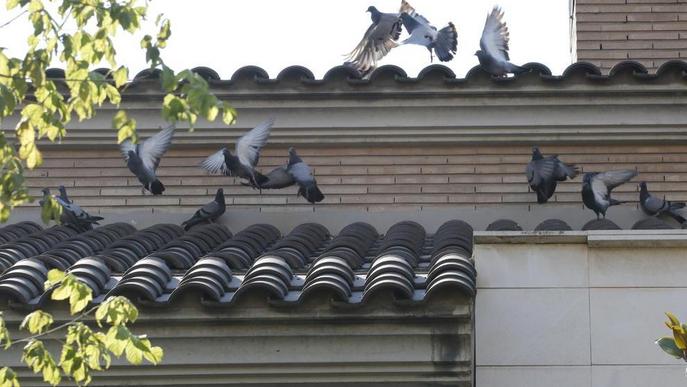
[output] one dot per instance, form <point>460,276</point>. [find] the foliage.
<point>78,34</point>
<point>676,345</point>
<point>85,349</point>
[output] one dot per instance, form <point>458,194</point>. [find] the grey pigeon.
<point>655,206</point>
<point>208,212</point>
<point>144,158</point>
<point>63,194</point>
<point>493,53</point>
<point>597,187</point>
<point>544,173</point>
<point>247,155</point>
<point>444,42</point>
<point>278,178</point>
<point>73,215</point>
<point>378,40</point>
<point>302,174</point>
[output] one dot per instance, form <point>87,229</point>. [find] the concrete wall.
<point>577,309</point>
<point>648,31</point>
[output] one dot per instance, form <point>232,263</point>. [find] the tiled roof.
<point>300,74</point>
<point>158,264</point>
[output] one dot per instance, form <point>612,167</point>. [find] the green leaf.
<point>668,346</point>
<point>5,340</point>
<point>8,378</point>
<point>37,322</point>
<point>12,4</point>
<point>169,82</point>
<point>37,357</point>
<point>126,127</point>
<point>121,76</point>
<point>55,275</point>
<point>116,311</point>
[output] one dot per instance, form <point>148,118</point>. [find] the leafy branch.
<point>84,350</point>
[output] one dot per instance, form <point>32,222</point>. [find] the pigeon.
<point>493,53</point>
<point>63,194</point>
<point>654,206</point>
<point>378,40</point>
<point>302,174</point>
<point>543,173</point>
<point>596,189</point>
<point>73,215</point>
<point>144,158</point>
<point>278,178</point>
<point>444,42</point>
<point>247,155</point>
<point>208,212</point>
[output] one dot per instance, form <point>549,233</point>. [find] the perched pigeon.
<point>144,158</point>
<point>656,206</point>
<point>73,215</point>
<point>493,53</point>
<point>247,155</point>
<point>597,187</point>
<point>302,174</point>
<point>444,42</point>
<point>544,173</point>
<point>63,194</point>
<point>378,40</point>
<point>208,212</point>
<point>278,178</point>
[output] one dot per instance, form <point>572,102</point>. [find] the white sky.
<point>273,34</point>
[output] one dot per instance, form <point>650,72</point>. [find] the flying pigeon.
<point>63,194</point>
<point>656,206</point>
<point>597,187</point>
<point>278,178</point>
<point>493,53</point>
<point>144,158</point>
<point>378,40</point>
<point>72,214</point>
<point>444,42</point>
<point>302,174</point>
<point>247,155</point>
<point>544,173</point>
<point>208,212</point>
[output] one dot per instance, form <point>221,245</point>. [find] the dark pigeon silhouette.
<point>493,54</point>
<point>654,206</point>
<point>302,174</point>
<point>63,194</point>
<point>209,212</point>
<point>597,187</point>
<point>378,40</point>
<point>544,173</point>
<point>444,42</point>
<point>144,158</point>
<point>278,178</point>
<point>247,155</point>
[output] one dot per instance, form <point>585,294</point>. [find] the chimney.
<point>648,31</point>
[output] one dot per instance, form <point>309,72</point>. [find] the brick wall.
<point>372,178</point>
<point>648,31</point>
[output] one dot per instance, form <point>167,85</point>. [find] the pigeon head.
<point>642,185</point>
<point>587,178</point>
<point>375,15</point>
<point>46,191</point>
<point>220,193</point>
<point>536,154</point>
<point>372,9</point>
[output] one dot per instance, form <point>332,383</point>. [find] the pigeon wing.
<point>154,147</point>
<point>653,205</point>
<point>249,145</point>
<point>612,179</point>
<point>378,40</point>
<point>215,163</point>
<point>407,8</point>
<point>494,39</point>
<point>125,147</point>
<point>278,178</point>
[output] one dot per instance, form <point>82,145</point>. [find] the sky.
<point>274,34</point>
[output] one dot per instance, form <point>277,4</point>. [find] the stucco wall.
<point>583,311</point>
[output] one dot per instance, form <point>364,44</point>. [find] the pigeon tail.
<point>515,69</point>
<point>676,205</point>
<point>187,224</point>
<point>679,218</point>
<point>311,193</point>
<point>614,202</point>
<point>157,188</point>
<point>260,179</point>
<point>446,43</point>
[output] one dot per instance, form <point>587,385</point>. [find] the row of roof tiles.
<point>160,263</point>
<point>436,71</point>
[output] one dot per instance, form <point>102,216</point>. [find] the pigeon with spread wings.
<point>493,54</point>
<point>378,40</point>
<point>444,42</point>
<point>597,187</point>
<point>144,158</point>
<point>544,173</point>
<point>242,164</point>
